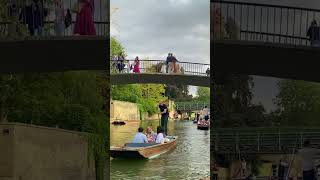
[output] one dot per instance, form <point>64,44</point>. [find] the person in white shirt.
<point>308,157</point>
<point>160,137</point>
<point>140,137</point>
<point>205,113</point>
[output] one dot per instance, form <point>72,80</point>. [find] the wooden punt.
<point>143,150</point>
<point>203,126</point>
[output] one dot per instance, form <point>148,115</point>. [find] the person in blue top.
<point>140,137</point>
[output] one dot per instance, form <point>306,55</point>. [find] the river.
<point>190,159</point>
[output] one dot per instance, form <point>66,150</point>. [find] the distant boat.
<point>202,125</point>
<point>143,150</point>
<point>120,123</point>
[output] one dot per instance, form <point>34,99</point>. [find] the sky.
<point>153,28</point>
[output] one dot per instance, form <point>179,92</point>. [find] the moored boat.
<point>118,123</point>
<point>143,150</point>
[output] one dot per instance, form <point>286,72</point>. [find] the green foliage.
<point>115,47</point>
<point>298,102</point>
<point>203,94</point>
<point>68,100</point>
<point>178,92</point>
<point>146,95</point>
<point>232,103</point>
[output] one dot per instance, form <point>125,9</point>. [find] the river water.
<point>190,159</point>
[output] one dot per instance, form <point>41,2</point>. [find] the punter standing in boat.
<point>140,137</point>
<point>164,117</point>
<point>206,113</point>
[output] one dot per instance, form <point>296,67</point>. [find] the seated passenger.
<point>151,136</point>
<point>140,137</point>
<point>160,137</point>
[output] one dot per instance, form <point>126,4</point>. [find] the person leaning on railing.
<point>33,15</point>
<point>136,67</point>
<point>314,34</point>
<point>84,21</point>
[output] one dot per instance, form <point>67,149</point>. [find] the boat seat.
<point>140,144</point>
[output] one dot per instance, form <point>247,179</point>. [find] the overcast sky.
<point>152,28</point>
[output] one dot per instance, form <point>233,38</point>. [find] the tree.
<point>115,47</point>
<point>203,94</point>
<point>178,92</point>
<point>232,100</point>
<point>298,103</point>
<point>146,95</point>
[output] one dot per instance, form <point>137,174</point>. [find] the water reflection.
<point>190,160</point>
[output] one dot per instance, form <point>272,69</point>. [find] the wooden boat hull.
<point>147,152</point>
<point>203,127</point>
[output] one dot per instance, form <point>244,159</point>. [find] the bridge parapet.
<point>262,140</point>
<point>262,22</point>
<point>160,67</point>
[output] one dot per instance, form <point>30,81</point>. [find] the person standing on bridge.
<point>168,62</point>
<point>84,20</point>
<point>120,62</point>
<point>164,117</point>
<point>308,155</point>
<point>314,34</point>
<point>136,67</point>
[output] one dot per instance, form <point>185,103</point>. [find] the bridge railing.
<point>18,19</point>
<point>160,67</point>
<point>261,22</point>
<point>191,106</point>
<point>263,140</point>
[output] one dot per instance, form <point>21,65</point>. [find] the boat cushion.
<point>140,144</point>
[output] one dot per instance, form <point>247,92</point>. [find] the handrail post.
<point>279,140</point>
<point>301,132</point>
<point>237,142</point>
<point>258,141</point>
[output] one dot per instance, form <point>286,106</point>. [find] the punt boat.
<point>143,150</point>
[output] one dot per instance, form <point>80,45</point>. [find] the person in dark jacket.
<point>33,15</point>
<point>314,34</point>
